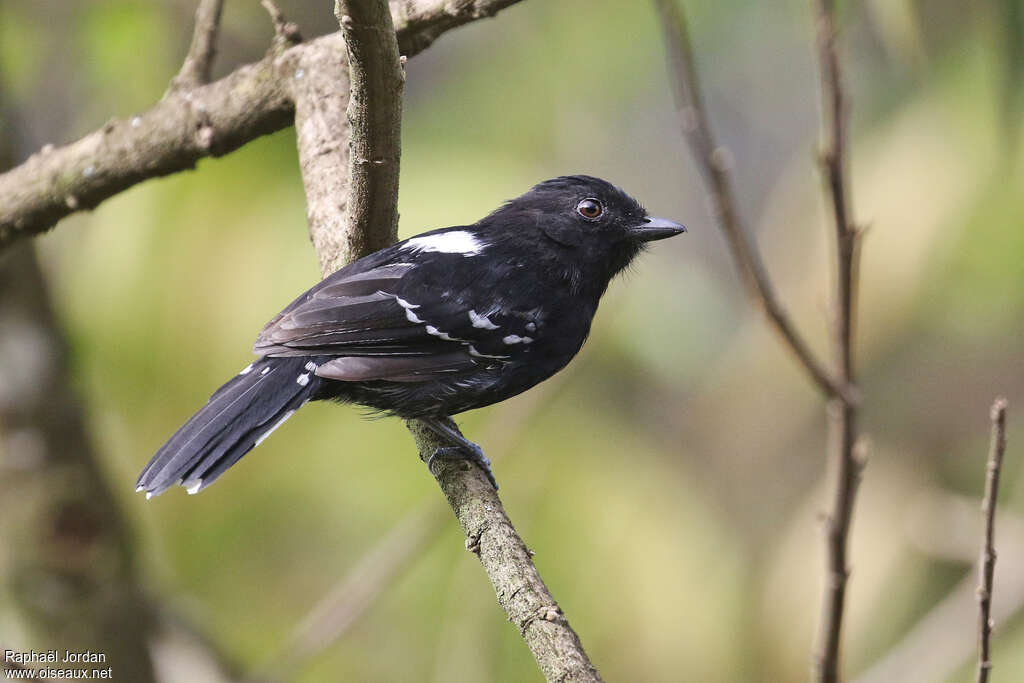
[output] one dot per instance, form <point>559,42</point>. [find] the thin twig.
<point>286,33</point>
<point>843,451</point>
<point>195,70</point>
<point>252,101</point>
<point>713,162</point>
<point>934,648</point>
<point>838,384</point>
<point>987,562</point>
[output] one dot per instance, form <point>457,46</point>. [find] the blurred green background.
<point>671,481</point>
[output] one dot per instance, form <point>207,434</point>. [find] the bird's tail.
<point>237,418</point>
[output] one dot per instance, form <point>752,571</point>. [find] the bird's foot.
<point>468,451</point>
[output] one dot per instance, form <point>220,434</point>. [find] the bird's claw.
<point>471,452</point>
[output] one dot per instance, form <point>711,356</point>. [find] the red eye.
<point>589,208</point>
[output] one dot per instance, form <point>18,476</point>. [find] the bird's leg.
<point>464,450</point>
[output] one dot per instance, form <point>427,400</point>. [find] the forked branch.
<point>713,162</point>
<point>214,119</point>
<point>195,70</point>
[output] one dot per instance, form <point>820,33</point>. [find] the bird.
<point>444,322</point>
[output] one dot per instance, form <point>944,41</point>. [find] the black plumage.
<point>444,322</point>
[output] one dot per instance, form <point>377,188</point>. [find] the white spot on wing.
<point>516,339</point>
<point>454,242</point>
<point>474,352</point>
<point>265,370</point>
<point>149,494</point>
<point>193,486</point>
<point>405,304</point>
<point>246,370</point>
<point>140,489</point>
<point>481,321</point>
<point>311,366</point>
<point>270,431</point>
<point>408,309</point>
<point>303,379</point>
<point>442,335</point>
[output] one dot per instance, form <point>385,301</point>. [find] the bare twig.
<point>838,384</point>
<point>195,70</point>
<point>935,647</point>
<point>843,451</point>
<point>254,100</point>
<point>286,34</point>
<point>987,562</point>
<point>425,20</point>
<point>713,162</point>
<point>377,75</point>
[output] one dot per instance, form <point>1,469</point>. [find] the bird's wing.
<point>387,322</point>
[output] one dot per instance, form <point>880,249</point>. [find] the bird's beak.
<point>656,229</point>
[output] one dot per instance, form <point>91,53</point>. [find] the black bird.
<point>448,321</point>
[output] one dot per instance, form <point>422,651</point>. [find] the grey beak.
<point>657,229</point>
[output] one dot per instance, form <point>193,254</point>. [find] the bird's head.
<point>587,218</point>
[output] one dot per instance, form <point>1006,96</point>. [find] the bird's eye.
<point>589,208</point>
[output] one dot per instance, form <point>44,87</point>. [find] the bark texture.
<point>194,123</point>
<point>375,119</point>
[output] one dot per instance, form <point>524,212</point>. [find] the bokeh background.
<point>672,480</point>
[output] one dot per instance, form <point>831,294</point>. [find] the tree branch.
<point>713,162</point>
<point>509,565</point>
<point>336,216</point>
<point>838,384</point>
<point>195,70</point>
<point>844,453</point>
<point>987,562</point>
<point>377,76</point>
<point>209,120</point>
<point>934,648</point>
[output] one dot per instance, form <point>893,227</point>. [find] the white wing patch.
<point>454,242</point>
<point>410,316</point>
<point>474,352</point>
<point>443,335</point>
<point>481,321</point>
<point>516,339</point>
